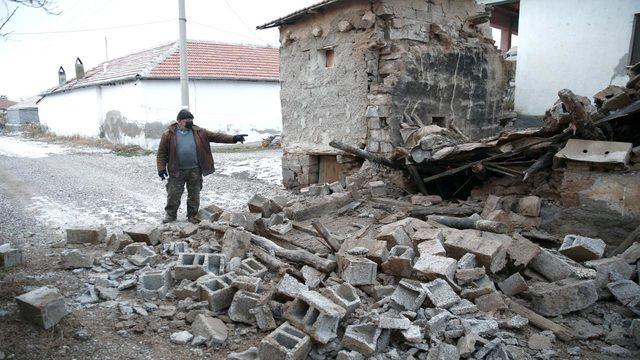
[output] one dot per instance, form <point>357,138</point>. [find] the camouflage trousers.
<point>175,187</point>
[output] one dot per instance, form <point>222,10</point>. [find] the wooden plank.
<point>563,332</point>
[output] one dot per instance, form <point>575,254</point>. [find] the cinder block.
<point>465,276</point>
<point>312,277</point>
<point>429,267</point>
<point>400,261</point>
<point>344,295</point>
<point>409,295</point>
<point>140,254</point>
<point>242,303</point>
<point>513,285</point>
<point>362,338</point>
<point>489,248</point>
<point>286,343</point>
<point>217,291</point>
<point>290,286</point>
<point>521,250</point>
<point>358,270</point>
<point>247,283</point>
<point>278,203</point>
<point>210,213</point>
<point>74,259</point>
<point>212,329</point>
<point>393,320</point>
<point>10,257</point>
<point>378,188</point>
<point>43,306</point>
<point>430,247</point>
<point>394,234</point>
<point>467,261</point>
<point>437,325</point>
<point>561,297</point>
<point>441,294</point>
<point>194,265</point>
<point>187,289</point>
<point>260,204</point>
<point>624,290</point>
<point>264,317</point>
<point>154,284</point>
<point>580,248</point>
<point>144,233</point>
<point>251,267</point>
<point>315,314</point>
<point>86,235</point>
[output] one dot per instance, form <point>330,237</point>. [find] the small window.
<point>635,41</point>
<point>329,58</point>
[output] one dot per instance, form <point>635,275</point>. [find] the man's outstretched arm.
<point>218,137</point>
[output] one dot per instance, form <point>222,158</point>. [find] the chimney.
<point>62,76</point>
<point>79,69</point>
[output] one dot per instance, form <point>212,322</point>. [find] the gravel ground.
<point>45,189</point>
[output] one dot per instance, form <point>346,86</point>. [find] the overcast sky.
<point>40,43</point>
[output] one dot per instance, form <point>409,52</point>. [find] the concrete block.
<point>437,324</point>
<point>217,291</point>
<point>466,345</point>
<point>290,286</point>
<point>430,247</point>
<point>443,351</point>
<point>413,334</point>
<point>362,338</point>
<point>315,314</point>
<point>477,288</point>
<point>144,233</point>
<point>209,213</point>
<point>251,267</point>
<point>608,266</point>
<point>86,235</point>
<point>393,320</point>
<point>378,188</point>
<point>286,343</point>
<point>513,285</point>
<point>344,295</point>
<point>117,243</point>
<point>187,289</point>
<point>409,295</point>
<point>490,302</point>
<point>194,265</point>
<point>264,317</point>
<point>278,203</point>
<point>400,261</point>
<point>394,234</point>
<point>358,270</point>
<point>521,251</point>
<point>480,327</point>
<point>74,259</point>
<point>260,204</point>
<point>349,355</point>
<point>242,303</point>
<point>212,329</point>
<point>632,254</point>
<point>43,306</point>
<point>562,297</point>
<point>154,284</point>
<point>529,206</point>
<point>551,266</point>
<point>430,267</point>
<point>624,290</point>
<point>312,277</point>
<point>492,203</point>
<point>247,283</point>
<point>378,252</point>
<point>489,248</point>
<point>580,248</point>
<point>235,243</point>
<point>465,276</point>
<point>141,254</point>
<point>440,294</point>
<point>463,307</point>
<point>10,257</point>
<point>467,261</point>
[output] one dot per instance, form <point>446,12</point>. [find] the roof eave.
<point>211,78</point>
<point>112,81</point>
<point>297,14</point>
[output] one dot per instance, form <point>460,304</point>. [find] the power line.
<point>228,32</point>
<point>92,29</point>
<point>252,31</point>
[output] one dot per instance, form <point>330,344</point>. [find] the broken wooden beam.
<point>633,236</point>
<point>563,332</point>
<point>468,223</point>
<point>365,155</point>
<point>581,119</point>
<point>326,234</point>
<point>297,256</point>
<point>449,210</point>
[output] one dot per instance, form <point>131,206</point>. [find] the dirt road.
<point>45,188</point>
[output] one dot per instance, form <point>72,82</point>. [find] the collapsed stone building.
<point>356,71</point>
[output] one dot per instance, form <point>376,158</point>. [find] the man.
<point>184,155</point>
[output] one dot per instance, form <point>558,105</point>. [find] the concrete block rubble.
<point>357,275</point>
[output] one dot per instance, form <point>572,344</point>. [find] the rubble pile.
<point>353,275</point>
<point>443,159</point>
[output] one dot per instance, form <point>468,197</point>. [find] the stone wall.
<point>396,61</point>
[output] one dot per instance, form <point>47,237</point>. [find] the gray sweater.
<point>186,149</point>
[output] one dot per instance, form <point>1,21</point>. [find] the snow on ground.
<point>19,147</point>
<point>268,169</point>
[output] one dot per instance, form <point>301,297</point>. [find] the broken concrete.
<point>315,314</point>
<point>513,285</point>
<point>489,248</point>
<point>144,233</point>
<point>358,270</point>
<point>86,235</point>
<point>43,306</point>
<point>580,248</point>
<point>10,257</point>
<point>154,284</point>
<point>285,342</point>
<point>562,297</point>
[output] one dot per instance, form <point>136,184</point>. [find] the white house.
<point>130,100</point>
<point>582,45</point>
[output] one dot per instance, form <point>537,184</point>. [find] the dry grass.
<point>41,132</point>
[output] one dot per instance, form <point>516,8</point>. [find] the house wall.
<point>136,113</point>
<point>582,45</point>
<point>22,116</point>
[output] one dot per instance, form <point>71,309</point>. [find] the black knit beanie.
<point>184,114</point>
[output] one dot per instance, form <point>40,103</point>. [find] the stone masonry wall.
<point>396,61</point>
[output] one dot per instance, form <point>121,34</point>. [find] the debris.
<point>144,233</point>
<point>580,248</point>
<point>561,297</point>
<point>285,342</point>
<point>86,235</point>
<point>43,306</point>
<point>10,257</point>
<point>212,329</point>
<point>181,337</point>
<point>513,285</point>
<point>315,315</point>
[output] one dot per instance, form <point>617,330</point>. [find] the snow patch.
<point>16,147</point>
<point>265,169</point>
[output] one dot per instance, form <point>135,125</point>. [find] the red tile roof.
<point>205,60</point>
<point>5,103</point>
<point>224,61</point>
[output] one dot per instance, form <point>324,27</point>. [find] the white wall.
<point>582,45</point>
<point>235,107</point>
<point>247,107</point>
<point>71,113</point>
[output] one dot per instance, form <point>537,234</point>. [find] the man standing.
<point>184,155</point>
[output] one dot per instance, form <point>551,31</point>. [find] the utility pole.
<point>184,75</point>
<point>106,50</point>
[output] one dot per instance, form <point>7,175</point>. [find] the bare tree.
<point>48,6</point>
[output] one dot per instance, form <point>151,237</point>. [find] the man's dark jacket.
<point>168,159</point>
